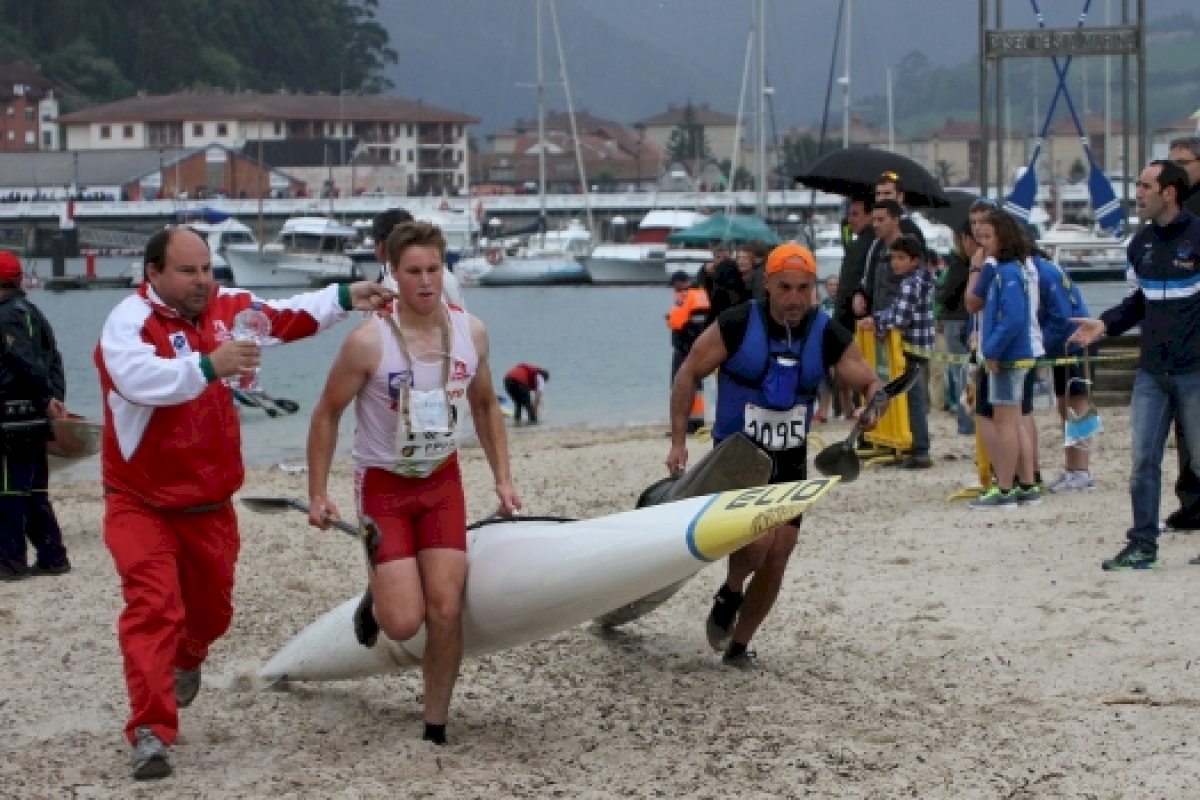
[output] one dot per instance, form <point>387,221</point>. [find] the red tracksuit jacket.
<point>171,432</point>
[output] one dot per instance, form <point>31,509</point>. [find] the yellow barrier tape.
<point>957,358</point>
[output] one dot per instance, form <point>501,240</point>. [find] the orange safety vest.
<point>691,306</point>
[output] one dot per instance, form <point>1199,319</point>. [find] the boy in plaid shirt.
<point>912,314</point>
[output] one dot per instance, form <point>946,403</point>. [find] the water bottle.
<point>249,325</point>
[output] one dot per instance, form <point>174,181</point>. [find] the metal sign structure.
<point>1123,41</point>
<point>997,44</point>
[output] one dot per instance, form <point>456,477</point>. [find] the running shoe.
<point>1072,481</point>
<point>1132,556</point>
<point>38,570</point>
<point>746,661</point>
<point>187,686</point>
<point>149,760</point>
<point>994,498</point>
<point>1028,495</point>
<point>719,625</point>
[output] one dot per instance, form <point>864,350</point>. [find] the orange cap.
<point>791,256</point>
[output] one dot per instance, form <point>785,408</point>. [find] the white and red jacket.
<point>171,432</point>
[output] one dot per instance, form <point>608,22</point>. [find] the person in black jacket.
<point>739,281</point>
<point>854,263</point>
<point>1164,275</point>
<point>1185,152</point>
<point>32,390</point>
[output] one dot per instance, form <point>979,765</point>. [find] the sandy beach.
<point>918,649</point>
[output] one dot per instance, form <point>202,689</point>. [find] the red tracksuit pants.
<point>176,573</point>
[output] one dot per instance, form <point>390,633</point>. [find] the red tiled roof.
<point>202,106</point>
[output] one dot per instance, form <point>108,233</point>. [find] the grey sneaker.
<point>187,686</point>
<point>746,661</point>
<point>994,498</point>
<point>149,760</point>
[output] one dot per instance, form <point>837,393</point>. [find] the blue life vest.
<point>742,377</point>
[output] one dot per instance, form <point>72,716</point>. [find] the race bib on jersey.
<point>775,430</point>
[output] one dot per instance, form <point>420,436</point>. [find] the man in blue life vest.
<point>772,356</point>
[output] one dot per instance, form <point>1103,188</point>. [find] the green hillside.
<point>107,49</point>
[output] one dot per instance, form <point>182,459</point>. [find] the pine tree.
<point>688,143</point>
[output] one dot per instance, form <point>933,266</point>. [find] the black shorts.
<point>983,406</point>
<point>1064,376</point>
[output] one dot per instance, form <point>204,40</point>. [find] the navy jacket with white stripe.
<point>1164,278</point>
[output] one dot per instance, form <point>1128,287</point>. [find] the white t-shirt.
<point>1031,289</point>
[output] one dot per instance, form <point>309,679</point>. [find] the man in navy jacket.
<point>1164,273</point>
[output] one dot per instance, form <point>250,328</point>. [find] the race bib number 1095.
<point>775,430</point>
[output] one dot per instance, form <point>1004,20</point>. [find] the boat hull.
<point>626,271</point>
<point>254,269</point>
<point>534,272</point>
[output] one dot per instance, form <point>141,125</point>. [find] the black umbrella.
<point>954,215</point>
<point>855,172</point>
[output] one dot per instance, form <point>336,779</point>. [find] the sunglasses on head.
<point>984,204</point>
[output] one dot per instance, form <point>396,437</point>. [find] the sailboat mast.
<point>541,111</point>
<point>846,83</point>
<point>760,126</point>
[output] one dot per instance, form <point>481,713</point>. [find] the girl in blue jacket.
<point>1005,338</point>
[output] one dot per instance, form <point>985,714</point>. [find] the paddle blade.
<point>273,505</point>
<point>1024,193</point>
<point>903,383</point>
<point>838,460</point>
<point>1110,213</point>
<point>289,406</point>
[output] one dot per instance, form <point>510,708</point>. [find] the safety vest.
<point>691,307</point>
<point>740,381</point>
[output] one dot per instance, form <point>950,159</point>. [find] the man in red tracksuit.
<point>171,461</point>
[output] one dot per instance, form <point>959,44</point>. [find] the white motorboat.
<point>642,260</point>
<point>1086,255</point>
<point>549,259</point>
<point>310,250</point>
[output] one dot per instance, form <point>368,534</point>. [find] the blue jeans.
<point>1157,400</point>
<point>953,330</point>
<point>918,412</point>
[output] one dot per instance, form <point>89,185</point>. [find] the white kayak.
<point>530,579</point>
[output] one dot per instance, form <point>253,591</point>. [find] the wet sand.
<point>918,649</point>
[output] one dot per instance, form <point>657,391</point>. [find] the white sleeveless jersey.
<point>377,406</point>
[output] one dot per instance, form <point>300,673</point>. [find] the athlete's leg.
<point>745,562</point>
<point>399,600</point>
<point>443,575</point>
<point>390,501</point>
<point>764,587</point>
